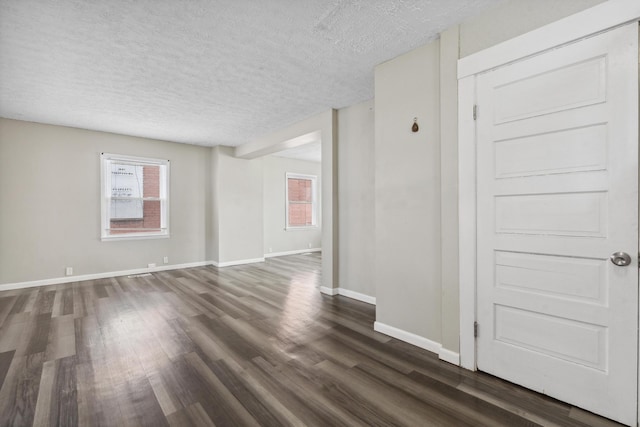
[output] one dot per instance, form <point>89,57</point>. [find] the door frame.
<point>594,20</point>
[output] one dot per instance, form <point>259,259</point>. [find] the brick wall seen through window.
<point>135,195</point>
<point>148,217</point>
<point>301,201</point>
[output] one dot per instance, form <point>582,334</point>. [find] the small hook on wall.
<point>415,127</point>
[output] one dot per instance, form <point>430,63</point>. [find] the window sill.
<point>302,228</point>
<point>134,237</point>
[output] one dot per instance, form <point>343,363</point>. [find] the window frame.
<point>314,200</point>
<point>106,159</point>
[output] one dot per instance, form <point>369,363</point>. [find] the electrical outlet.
<point>270,250</point>
<point>166,260</point>
<point>69,271</point>
<point>309,245</point>
<point>151,265</point>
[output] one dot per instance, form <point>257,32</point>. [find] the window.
<point>301,201</point>
<point>135,197</point>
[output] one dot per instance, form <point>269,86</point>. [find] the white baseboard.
<point>409,337</point>
<point>349,294</point>
<point>237,262</point>
<point>328,291</point>
<point>357,296</point>
<point>449,356</point>
<point>80,278</point>
<point>296,252</point>
<point>422,342</point>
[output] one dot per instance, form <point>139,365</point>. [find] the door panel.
<point>557,147</point>
<point>567,214</point>
<point>578,342</point>
<point>560,277</point>
<point>566,87</point>
<point>581,149</point>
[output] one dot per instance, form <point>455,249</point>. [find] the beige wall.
<point>356,198</point>
<point>450,298</point>
<point>416,184</point>
<point>413,177</point>
<point>407,193</point>
<point>276,237</point>
<point>50,203</point>
<point>514,18</point>
<point>213,219</point>
<point>238,206</point>
<point>320,127</point>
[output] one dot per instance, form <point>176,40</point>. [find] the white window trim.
<point>105,181</point>
<point>314,201</point>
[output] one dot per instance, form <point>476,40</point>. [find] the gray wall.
<point>50,203</point>
<point>276,237</point>
<point>356,198</point>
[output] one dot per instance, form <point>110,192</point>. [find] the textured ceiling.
<point>203,72</point>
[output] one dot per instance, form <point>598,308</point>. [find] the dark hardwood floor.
<point>239,346</point>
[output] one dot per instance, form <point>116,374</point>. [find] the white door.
<point>557,147</point>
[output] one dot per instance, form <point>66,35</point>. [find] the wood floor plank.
<point>12,334</point>
<point>244,345</point>
<point>452,401</point>
<point>266,349</point>
<point>175,377</point>
<point>67,302</point>
<point>224,305</point>
<point>349,406</point>
<point>64,410</point>
<point>36,337</point>
<point>403,409</point>
<point>19,392</point>
<point>5,364</point>
<point>278,408</point>
<point>227,409</point>
<point>245,395</point>
<point>61,341</point>
<point>235,345</point>
<point>193,415</point>
<point>19,303</point>
<point>56,310</point>
<point>34,295</point>
<point>97,400</point>
<point>206,342</point>
<point>589,419</point>
<point>46,394</point>
<point>44,302</point>
<point>307,409</point>
<point>166,402</point>
<point>136,398</point>
<point>57,400</point>
<point>6,306</point>
<point>88,339</point>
